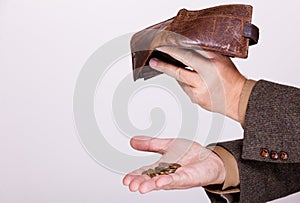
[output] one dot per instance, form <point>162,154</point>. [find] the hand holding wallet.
<point>223,29</point>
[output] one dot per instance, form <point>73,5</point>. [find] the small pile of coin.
<point>162,169</point>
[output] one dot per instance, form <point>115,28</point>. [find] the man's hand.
<point>199,166</point>
<point>215,83</point>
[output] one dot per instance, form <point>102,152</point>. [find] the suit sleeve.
<point>272,124</point>
<point>269,155</point>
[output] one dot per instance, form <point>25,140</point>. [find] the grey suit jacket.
<point>269,155</point>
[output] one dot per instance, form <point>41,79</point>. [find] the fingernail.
<point>153,62</point>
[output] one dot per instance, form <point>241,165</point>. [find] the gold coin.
<point>166,171</point>
<point>151,173</point>
<point>175,166</point>
<point>158,169</point>
<point>161,173</point>
<point>163,168</point>
<point>172,170</point>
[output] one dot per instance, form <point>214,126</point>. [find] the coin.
<point>151,173</point>
<point>174,166</point>
<point>161,173</point>
<point>163,168</point>
<point>165,171</point>
<point>158,169</point>
<point>172,170</point>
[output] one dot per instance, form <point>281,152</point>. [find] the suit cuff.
<point>232,181</point>
<point>244,98</point>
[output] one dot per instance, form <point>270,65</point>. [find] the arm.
<point>261,181</point>
<point>272,123</point>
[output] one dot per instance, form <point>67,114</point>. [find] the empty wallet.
<point>225,29</point>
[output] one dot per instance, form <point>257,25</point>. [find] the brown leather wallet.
<point>224,29</point>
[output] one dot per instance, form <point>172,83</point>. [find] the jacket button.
<point>264,153</point>
<point>274,155</point>
<point>283,156</point>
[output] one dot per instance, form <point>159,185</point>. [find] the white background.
<point>43,46</point>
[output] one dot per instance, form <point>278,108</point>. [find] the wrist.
<point>233,102</point>
<point>230,166</point>
<point>244,98</point>
<point>220,168</point>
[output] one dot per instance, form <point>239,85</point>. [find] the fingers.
<point>128,178</point>
<point>148,186</point>
<point>189,77</point>
<point>136,181</point>
<point>193,58</point>
<point>135,184</point>
<point>141,183</point>
<point>145,184</point>
<point>131,176</point>
<point>149,144</point>
<point>136,173</point>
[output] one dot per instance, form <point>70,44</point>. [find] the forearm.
<point>272,113</point>
<point>261,181</point>
<point>272,122</point>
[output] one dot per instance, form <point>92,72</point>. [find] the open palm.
<point>200,167</point>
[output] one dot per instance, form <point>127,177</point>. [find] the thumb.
<point>145,143</point>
